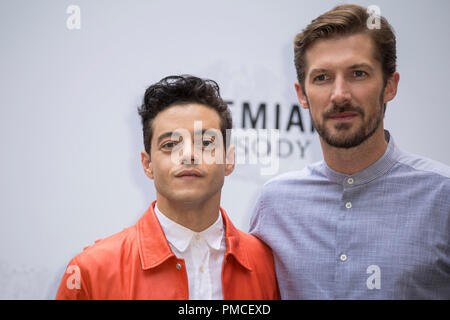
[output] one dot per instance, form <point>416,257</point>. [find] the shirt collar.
<point>214,233</point>
<point>180,237</point>
<point>377,169</point>
<point>154,248</point>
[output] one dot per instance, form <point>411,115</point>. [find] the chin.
<point>347,141</point>
<point>189,197</point>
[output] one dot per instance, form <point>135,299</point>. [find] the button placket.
<point>348,183</point>
<point>343,231</point>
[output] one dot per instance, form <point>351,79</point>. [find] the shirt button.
<point>178,266</point>
<point>343,257</point>
<point>197,237</point>
<point>350,181</point>
<point>348,205</point>
<point>201,269</point>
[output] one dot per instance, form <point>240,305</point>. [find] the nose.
<point>191,153</point>
<point>341,92</point>
<point>187,152</point>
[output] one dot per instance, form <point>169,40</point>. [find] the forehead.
<point>183,116</point>
<point>341,52</point>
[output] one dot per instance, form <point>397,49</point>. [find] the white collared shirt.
<point>203,254</point>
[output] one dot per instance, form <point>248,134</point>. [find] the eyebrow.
<point>314,71</point>
<point>354,66</point>
<point>361,65</point>
<point>170,133</point>
<point>163,136</point>
<point>204,130</point>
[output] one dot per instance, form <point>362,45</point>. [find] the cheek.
<point>162,168</point>
<point>318,97</point>
<point>216,172</point>
<point>367,92</point>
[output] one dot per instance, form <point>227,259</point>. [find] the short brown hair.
<point>346,20</point>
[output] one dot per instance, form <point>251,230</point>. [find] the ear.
<point>301,96</point>
<point>230,158</point>
<point>147,164</point>
<point>390,90</point>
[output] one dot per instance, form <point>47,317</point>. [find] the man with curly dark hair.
<point>184,246</point>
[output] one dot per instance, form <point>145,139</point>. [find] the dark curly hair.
<point>181,90</point>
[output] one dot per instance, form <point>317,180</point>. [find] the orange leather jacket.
<point>137,263</point>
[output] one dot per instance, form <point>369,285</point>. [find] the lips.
<point>189,174</point>
<point>347,115</point>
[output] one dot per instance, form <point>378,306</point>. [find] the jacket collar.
<point>235,246</point>
<point>154,248</point>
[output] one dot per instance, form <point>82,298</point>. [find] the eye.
<point>320,78</point>
<point>359,73</point>
<point>207,142</point>
<point>169,145</point>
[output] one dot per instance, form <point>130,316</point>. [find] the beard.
<point>346,141</point>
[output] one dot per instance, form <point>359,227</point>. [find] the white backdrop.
<point>71,137</point>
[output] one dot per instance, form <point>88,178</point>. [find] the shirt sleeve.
<point>256,217</point>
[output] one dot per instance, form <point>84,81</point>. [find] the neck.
<point>356,159</point>
<point>196,216</point>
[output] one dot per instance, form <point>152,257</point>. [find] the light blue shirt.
<point>382,233</point>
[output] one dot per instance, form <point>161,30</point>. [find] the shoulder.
<point>96,264</point>
<point>422,172</point>
<point>103,251</point>
<point>254,245</point>
<point>423,165</point>
<point>257,257</point>
<point>309,173</point>
<point>258,253</point>
<point>289,183</point>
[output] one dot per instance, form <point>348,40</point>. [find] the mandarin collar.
<point>377,169</point>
